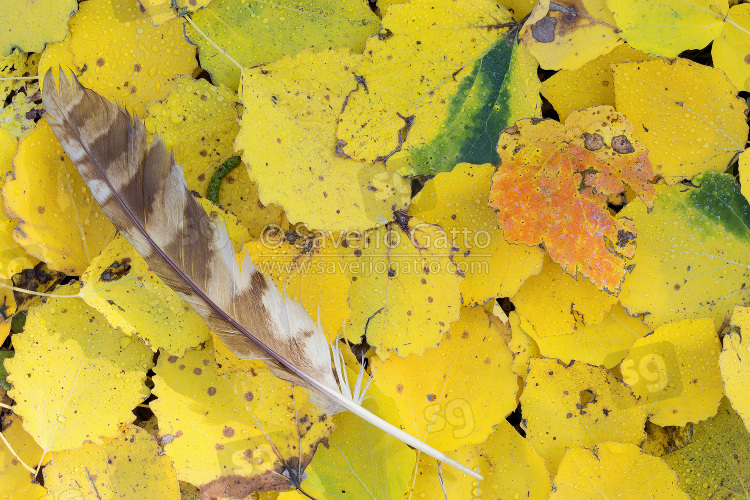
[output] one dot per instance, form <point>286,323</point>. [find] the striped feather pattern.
<point>143,192</point>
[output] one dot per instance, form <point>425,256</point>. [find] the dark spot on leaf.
<point>211,391</point>
<point>228,432</point>
<point>116,270</point>
<point>249,396</point>
<point>622,145</point>
<point>172,359</point>
<point>593,142</point>
<point>137,67</point>
<point>431,397</point>
<point>399,388</point>
<point>100,62</point>
<point>197,371</point>
<point>543,30</point>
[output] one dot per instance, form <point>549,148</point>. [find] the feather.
<point>143,192</point>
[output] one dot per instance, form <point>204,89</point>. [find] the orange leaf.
<point>552,187</point>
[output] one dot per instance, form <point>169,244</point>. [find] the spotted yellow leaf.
<point>688,115</point>
<point>254,32</point>
<point>715,463</point>
<point>287,129</point>
<point>675,372</point>
<point>446,406</point>
<point>28,25</point>
<point>692,259</point>
<point>609,469</point>
<point>98,374</point>
<point>17,482</point>
<point>577,405</point>
<point>125,57</point>
<point>199,121</point>
<point>669,27</point>
<point>590,85</point>
<point>523,346</point>
<point>60,222</point>
<point>744,171</point>
<point>160,11</point>
<point>510,467</point>
<point>17,64</point>
<point>129,465</point>
<point>735,363</point>
<point>234,434</point>
<point>457,202</point>
<point>663,440</point>
<point>405,288</point>
<point>425,101</point>
<point>565,34</point>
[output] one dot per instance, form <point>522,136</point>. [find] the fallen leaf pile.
<point>527,219</point>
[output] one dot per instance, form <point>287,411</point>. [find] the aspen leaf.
<point>98,374</point>
<point>238,433</point>
<point>456,201</point>
<point>675,372</point>
<point>199,121</point>
<point>590,85</point>
<point>18,64</point>
<point>13,258</point>
<point>17,483</point>
<point>28,25</point>
<point>731,51</point>
<point>405,288</point>
<point>61,223</point>
<point>360,460</point>
<point>311,271</point>
<point>442,405</point>
<point>565,34</point>
<point>523,346</point>
<point>425,101</point>
<point>140,65</point>
<point>18,117</point>
<point>744,173</point>
<point>688,115</point>
<point>254,32</point>
<point>609,469</point>
<point>715,463</point>
<point>692,258</point>
<point>735,363</point>
<point>577,405</point>
<point>130,465</point>
<point>670,27</point>
<point>663,440</point>
<point>510,467</point>
<point>563,203</point>
<point>160,11</point>
<point>286,129</point>
<point>120,285</point>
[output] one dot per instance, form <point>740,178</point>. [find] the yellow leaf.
<point>13,258</point>
<point>675,372</point>
<point>27,25</point>
<point>310,271</point>
<point>129,466</point>
<point>663,440</point>
<point>523,346</point>
<point>160,11</point>
<point>120,285</point>
<point>688,115</point>
<point>511,469</point>
<point>425,101</point>
<point>16,481</point>
<point>566,34</point>
<point>405,286</point>
<point>556,303</point>
<point>126,58</point>
<point>18,117</point>
<point>232,434</point>
<point>670,27</point>
<point>731,51</point>
<point>590,85</point>
<point>97,372</point>
<point>715,464</point>
<point>609,469</point>
<point>254,32</point>
<point>199,121</point>
<point>605,343</point>
<point>744,172</point>
<point>735,363</point>
<point>361,460</point>
<point>286,129</point>
<point>518,8</point>
<point>54,55</point>
<point>61,223</point>
<point>457,201</point>
<point>455,394</point>
<point>577,405</point>
<point>693,258</point>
